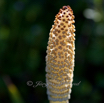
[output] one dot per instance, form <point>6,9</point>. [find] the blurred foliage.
<point>24,32</point>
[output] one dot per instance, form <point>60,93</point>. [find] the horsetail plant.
<point>60,57</point>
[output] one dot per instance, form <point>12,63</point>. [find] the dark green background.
<point>24,32</point>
